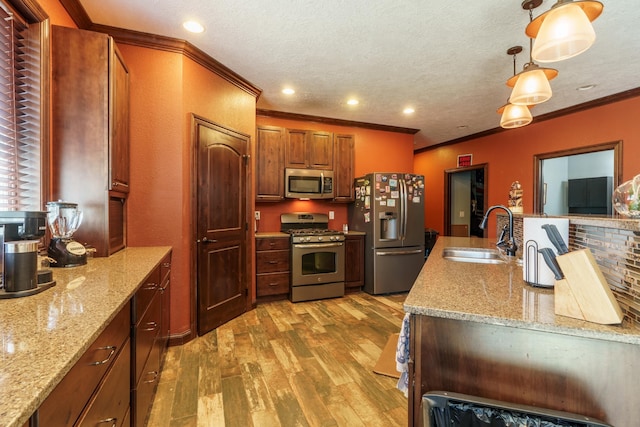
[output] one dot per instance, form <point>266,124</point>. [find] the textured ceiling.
<point>447,60</point>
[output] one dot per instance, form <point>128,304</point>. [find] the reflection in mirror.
<point>577,182</point>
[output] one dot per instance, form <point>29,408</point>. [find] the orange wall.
<point>509,154</point>
<point>374,151</point>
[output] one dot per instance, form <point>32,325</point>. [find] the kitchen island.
<point>479,329</point>
<point>42,336</point>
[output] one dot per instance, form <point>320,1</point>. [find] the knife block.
<point>584,293</point>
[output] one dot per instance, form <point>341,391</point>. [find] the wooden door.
<point>221,224</point>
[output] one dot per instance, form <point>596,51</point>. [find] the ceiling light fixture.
<point>408,110</point>
<point>193,27</point>
<point>353,101</point>
<point>514,116</point>
<point>565,30</point>
<point>288,91</point>
<point>531,85</point>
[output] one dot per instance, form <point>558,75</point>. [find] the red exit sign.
<point>464,160</point>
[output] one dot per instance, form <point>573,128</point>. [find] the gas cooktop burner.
<point>313,231</point>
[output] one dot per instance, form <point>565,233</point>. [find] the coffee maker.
<point>64,218</point>
<point>20,233</point>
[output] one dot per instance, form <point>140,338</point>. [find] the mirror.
<point>579,181</point>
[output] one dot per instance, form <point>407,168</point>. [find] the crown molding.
<point>157,42</point>
<point>632,93</point>
<point>331,121</point>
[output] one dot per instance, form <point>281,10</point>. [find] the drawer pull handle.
<point>155,376</point>
<point>151,326</point>
<point>273,284</point>
<point>151,287</point>
<point>112,351</point>
<point>273,262</point>
<point>113,421</point>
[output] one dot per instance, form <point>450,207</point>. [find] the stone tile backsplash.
<point>615,245</point>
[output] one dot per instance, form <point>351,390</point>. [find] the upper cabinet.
<point>90,134</point>
<point>343,175</point>
<point>269,164</point>
<point>279,148</point>
<point>309,149</point>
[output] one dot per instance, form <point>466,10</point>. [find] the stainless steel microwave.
<point>308,184</point>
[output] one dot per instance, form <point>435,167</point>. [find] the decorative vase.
<point>626,198</point>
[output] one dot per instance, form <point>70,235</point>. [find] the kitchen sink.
<point>474,255</point>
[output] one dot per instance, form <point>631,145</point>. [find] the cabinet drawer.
<point>111,402</point>
<point>272,261</point>
<point>272,284</point>
<point>146,386</point>
<point>144,294</point>
<point>146,332</point>
<point>271,243</point>
<point>81,381</point>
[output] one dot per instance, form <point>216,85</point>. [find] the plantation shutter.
<point>20,129</point>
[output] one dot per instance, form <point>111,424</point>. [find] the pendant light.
<point>564,31</point>
<point>531,85</point>
<point>514,116</point>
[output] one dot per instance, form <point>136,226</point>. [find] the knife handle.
<point>555,238</point>
<point>550,259</point>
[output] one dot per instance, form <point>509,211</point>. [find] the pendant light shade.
<point>564,31</point>
<point>531,85</point>
<point>514,116</point>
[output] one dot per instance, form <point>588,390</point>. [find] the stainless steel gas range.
<point>317,256</point>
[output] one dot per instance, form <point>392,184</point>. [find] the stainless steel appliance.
<point>308,183</point>
<point>20,233</point>
<point>317,256</point>
<point>64,218</point>
<point>389,207</point>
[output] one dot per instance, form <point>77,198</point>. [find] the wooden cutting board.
<point>584,292</point>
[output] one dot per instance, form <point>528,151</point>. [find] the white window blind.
<point>20,129</point>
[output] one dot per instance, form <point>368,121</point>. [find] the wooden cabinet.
<point>90,134</point>
<point>269,164</point>
<point>354,262</point>
<point>309,149</point>
<point>272,267</point>
<point>99,381</point>
<point>150,332</point>
<point>343,172</point>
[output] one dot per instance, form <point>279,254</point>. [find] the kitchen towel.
<point>534,269</point>
<point>402,356</point>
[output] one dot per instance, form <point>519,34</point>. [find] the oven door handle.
<point>317,245</point>
<point>416,251</point>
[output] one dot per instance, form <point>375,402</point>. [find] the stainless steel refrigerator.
<point>389,207</point>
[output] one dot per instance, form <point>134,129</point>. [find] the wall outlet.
<point>257,215</point>
<point>461,214</point>
<point>331,215</point>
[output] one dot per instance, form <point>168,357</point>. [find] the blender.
<point>64,218</point>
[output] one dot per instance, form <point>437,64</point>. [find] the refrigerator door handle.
<point>403,208</point>
<point>410,252</point>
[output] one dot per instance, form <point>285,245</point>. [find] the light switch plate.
<point>331,215</point>
<point>257,215</point>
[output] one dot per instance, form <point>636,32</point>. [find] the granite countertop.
<point>496,294</point>
<point>43,335</point>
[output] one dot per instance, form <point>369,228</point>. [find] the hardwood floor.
<point>284,364</point>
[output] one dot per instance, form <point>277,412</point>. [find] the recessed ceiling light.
<point>586,87</point>
<point>288,91</point>
<point>193,27</point>
<point>353,101</point>
<point>408,110</point>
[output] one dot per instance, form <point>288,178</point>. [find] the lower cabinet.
<point>272,268</point>
<point>150,332</point>
<point>114,381</point>
<point>354,263</point>
<point>96,389</point>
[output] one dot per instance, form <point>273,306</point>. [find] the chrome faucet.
<point>510,245</point>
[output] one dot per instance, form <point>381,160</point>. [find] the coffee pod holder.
<point>584,292</point>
